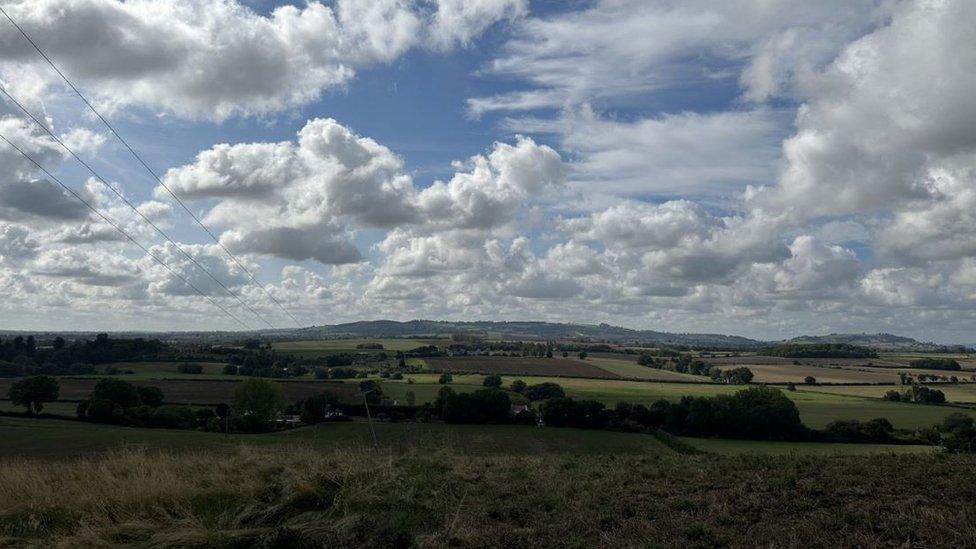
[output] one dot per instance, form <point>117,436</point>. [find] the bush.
<point>492,381</point>
<point>582,355</point>
<point>542,391</point>
<point>893,396</point>
<point>810,380</point>
<point>230,370</point>
<point>445,379</point>
<point>342,373</point>
<point>518,386</point>
<point>321,373</point>
<point>187,368</point>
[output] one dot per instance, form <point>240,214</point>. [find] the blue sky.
<point>750,167</point>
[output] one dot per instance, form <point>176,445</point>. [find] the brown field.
<point>202,392</point>
<point>522,366</point>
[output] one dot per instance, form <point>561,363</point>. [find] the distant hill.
<point>880,342</point>
<point>523,330</point>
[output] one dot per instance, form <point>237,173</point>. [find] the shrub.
<point>229,370</point>
<point>893,396</point>
<point>518,386</point>
<point>810,380</point>
<point>445,379</point>
<point>875,430</point>
<point>542,391</point>
<point>582,355</point>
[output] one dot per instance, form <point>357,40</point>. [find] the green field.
<point>168,370</point>
<point>963,393</point>
<point>817,408</point>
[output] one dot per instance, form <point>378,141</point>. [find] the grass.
<point>778,448</point>
<point>51,438</point>
<point>168,370</point>
<point>288,497</point>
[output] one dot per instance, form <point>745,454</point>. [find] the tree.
<point>58,343</point>
<point>582,355</point>
<point>116,391</point>
<point>445,379</point>
<point>810,380</point>
<point>258,401</point>
<point>493,381</point>
<point>543,391</point>
<point>33,392</point>
<point>315,407</point>
<point>518,386</point>
<point>150,396</point>
<point>230,370</point>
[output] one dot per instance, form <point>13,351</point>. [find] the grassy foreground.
<point>277,497</point>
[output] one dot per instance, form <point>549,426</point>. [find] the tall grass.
<point>274,497</point>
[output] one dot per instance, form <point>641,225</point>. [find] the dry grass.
<point>299,498</point>
<point>519,366</point>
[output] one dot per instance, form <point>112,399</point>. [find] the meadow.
<point>312,496</point>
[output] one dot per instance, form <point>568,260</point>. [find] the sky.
<point>764,168</point>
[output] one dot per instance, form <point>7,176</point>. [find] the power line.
<point>118,228</point>
<point>148,169</point>
<point>131,206</point>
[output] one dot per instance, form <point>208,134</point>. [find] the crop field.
<point>202,392</point>
<point>782,373</point>
<point>524,366</point>
<point>630,369</point>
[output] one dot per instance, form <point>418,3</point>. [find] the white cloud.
<point>217,58</point>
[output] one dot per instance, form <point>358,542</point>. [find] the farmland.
<point>198,391</point>
<point>523,366</point>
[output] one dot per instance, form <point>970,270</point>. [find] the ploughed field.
<point>524,366</point>
<point>198,391</point>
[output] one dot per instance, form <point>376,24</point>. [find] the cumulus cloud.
<point>299,200</point>
<point>217,58</point>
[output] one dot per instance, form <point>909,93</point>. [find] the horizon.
<point>376,320</point>
<point>627,162</point>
